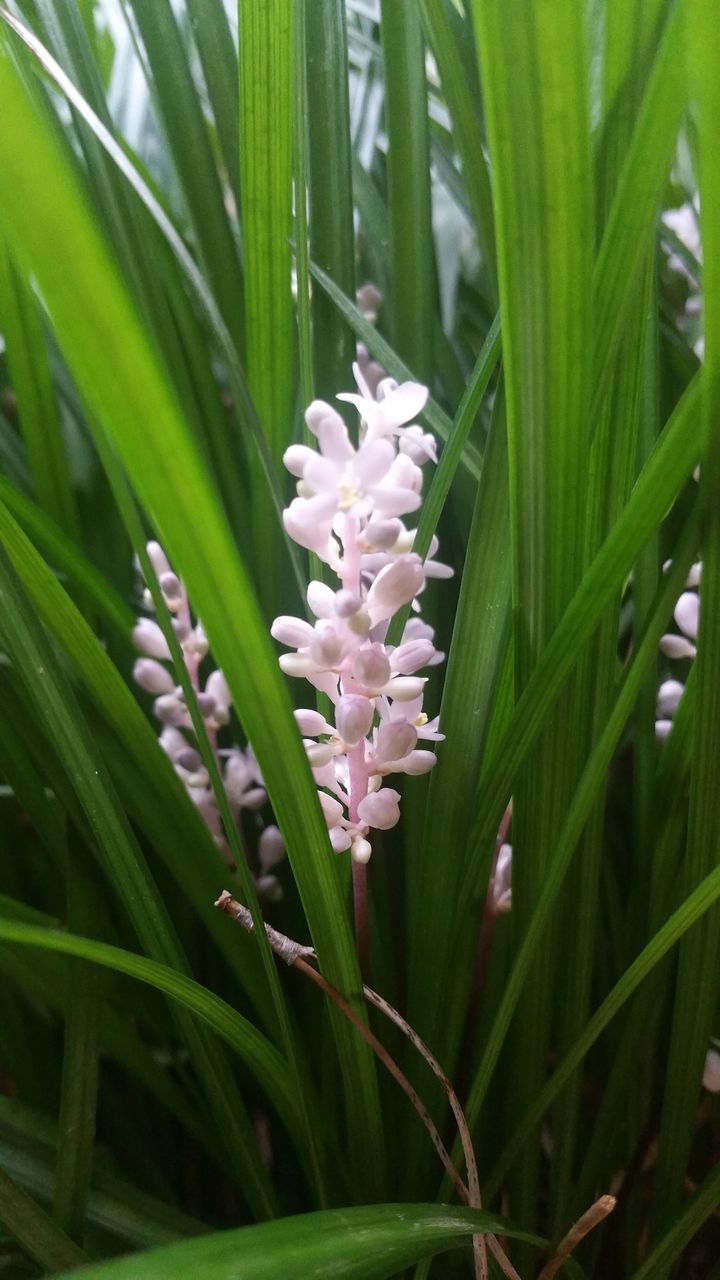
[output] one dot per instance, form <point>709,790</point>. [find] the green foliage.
<point>500,172</point>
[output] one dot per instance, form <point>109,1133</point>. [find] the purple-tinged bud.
<point>382,534</point>
<point>271,848</point>
<point>687,613</point>
<point>152,677</point>
<point>353,717</point>
<point>677,647</point>
<point>409,657</point>
<point>169,709</point>
<point>669,695</point>
<point>311,723</point>
<point>380,809</point>
<point>662,729</point>
<point>172,589</point>
<point>346,603</point>
<point>693,578</point>
<point>371,667</point>
<point>189,759</point>
<point>395,739</point>
<point>339,839</point>
<point>206,704</point>
<point>158,559</point>
<point>181,628</point>
<point>294,632</point>
<point>217,686</point>
<point>172,742</point>
<point>326,646</point>
<point>149,639</point>
<point>395,585</point>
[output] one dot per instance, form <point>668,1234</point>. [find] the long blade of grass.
<point>265,31</point>
<point>668,466</point>
<point>35,1231</point>
<point>47,689</point>
<point>127,391</point>
<point>408,182</point>
<point>259,1055</point>
<point>30,374</point>
<point>181,113</point>
<point>695,1001</point>
<point>370,1243</point>
<point>331,200</point>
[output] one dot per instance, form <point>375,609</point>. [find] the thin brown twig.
<point>590,1219</point>
<point>297,956</point>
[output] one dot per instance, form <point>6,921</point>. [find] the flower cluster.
<point>687,616</point>
<point>349,510</point>
<point>241,779</point>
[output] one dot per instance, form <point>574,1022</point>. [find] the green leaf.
<point>35,1231</point>
<point>30,374</point>
<point>368,1243</point>
<point>117,371</point>
<point>331,199</point>
<point>695,1004</point>
<point>181,113</point>
<point>408,180</point>
<point>266,200</point>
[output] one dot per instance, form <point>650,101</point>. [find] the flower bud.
<point>189,759</point>
<point>321,599</point>
<point>152,677</point>
<point>332,809</point>
<point>687,613</point>
<point>382,534</point>
<point>380,809</point>
<point>325,648</point>
<point>169,709</point>
<point>149,639</point>
<point>296,458</point>
<point>197,642</point>
<point>677,647</point>
<point>395,585</point>
<point>158,559</point>
<point>371,667</point>
<point>409,657</point>
<point>294,632</point>
<point>711,1074</point>
<point>206,704</point>
<point>296,664</point>
<point>346,603</point>
<point>271,848</point>
<point>395,738</point>
<point>669,695</point>
<point>405,688</point>
<point>353,717</point>
<point>418,762</point>
<point>172,589</point>
<point>361,850</point>
<point>662,729</point>
<point>318,753</point>
<point>311,723</point>
<point>317,412</point>
<point>217,687</point>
